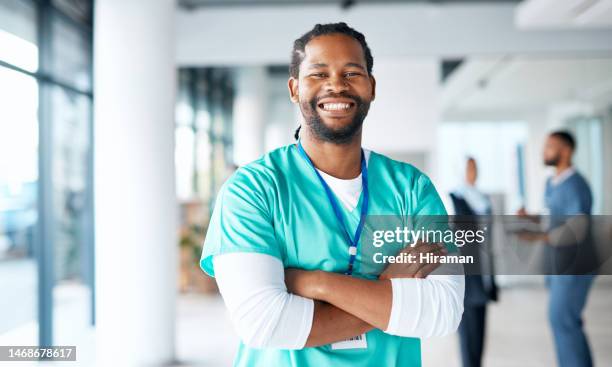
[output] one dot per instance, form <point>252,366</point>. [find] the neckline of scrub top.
<point>343,189</point>
<point>347,191</point>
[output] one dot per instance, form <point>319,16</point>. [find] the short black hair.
<point>299,45</point>
<point>566,137</point>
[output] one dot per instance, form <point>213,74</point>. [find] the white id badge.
<point>356,342</point>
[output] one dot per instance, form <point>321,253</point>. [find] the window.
<point>45,170</point>
<point>18,43</point>
<point>203,133</point>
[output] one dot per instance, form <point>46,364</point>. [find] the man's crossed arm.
<point>318,308</point>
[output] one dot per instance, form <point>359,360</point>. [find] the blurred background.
<point>120,120</point>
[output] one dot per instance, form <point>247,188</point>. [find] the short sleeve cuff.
<point>206,262</point>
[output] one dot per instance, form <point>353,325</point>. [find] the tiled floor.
<point>518,332</point>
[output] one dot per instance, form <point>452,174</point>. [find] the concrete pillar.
<point>134,191</point>
<point>250,106</point>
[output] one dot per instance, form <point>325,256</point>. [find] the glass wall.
<point>203,158</point>
<point>203,132</point>
<point>46,232</point>
<point>589,155</point>
<point>18,173</point>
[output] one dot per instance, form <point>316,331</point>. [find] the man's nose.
<point>336,84</point>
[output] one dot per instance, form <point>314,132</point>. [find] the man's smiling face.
<point>334,89</point>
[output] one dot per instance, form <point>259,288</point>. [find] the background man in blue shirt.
<point>567,196</point>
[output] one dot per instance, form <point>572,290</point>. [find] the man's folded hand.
<point>416,269</point>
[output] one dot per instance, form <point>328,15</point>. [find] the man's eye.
<point>318,75</point>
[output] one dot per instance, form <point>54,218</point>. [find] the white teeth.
<point>336,106</point>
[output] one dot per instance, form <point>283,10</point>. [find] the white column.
<point>250,105</point>
<point>135,203</point>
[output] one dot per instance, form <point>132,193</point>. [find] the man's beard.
<point>552,161</point>
<point>343,135</point>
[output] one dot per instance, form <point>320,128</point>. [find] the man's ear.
<point>373,81</point>
<point>292,84</point>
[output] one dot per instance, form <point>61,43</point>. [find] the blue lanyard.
<point>353,241</point>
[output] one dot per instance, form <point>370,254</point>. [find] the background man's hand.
<point>521,212</point>
<point>532,237</point>
<point>417,269</point>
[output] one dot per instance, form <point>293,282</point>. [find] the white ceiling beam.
<point>563,14</point>
<point>265,35</point>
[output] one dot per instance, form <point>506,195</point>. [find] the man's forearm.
<point>331,324</point>
<point>367,300</point>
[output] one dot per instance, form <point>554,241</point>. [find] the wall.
<point>404,116</point>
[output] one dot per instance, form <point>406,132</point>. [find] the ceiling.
<point>193,4</point>
<point>555,14</point>
<point>523,83</point>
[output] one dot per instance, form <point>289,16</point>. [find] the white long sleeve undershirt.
<point>265,315</point>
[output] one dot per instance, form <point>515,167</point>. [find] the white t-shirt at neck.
<point>347,191</point>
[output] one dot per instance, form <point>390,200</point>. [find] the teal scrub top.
<point>277,206</point>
